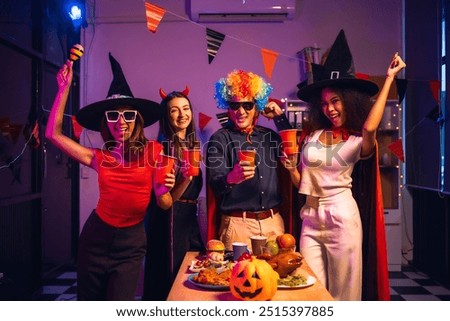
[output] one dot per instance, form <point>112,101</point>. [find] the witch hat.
<point>338,69</point>
<point>119,95</point>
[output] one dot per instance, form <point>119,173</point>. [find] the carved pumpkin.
<point>253,280</point>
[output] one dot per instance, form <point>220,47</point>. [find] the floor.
<point>407,285</point>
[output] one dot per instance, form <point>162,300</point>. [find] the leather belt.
<point>259,215</point>
<point>183,200</point>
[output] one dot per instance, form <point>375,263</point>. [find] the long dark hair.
<point>167,136</point>
<point>357,106</point>
<point>135,143</point>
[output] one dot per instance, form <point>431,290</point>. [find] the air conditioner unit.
<point>242,10</point>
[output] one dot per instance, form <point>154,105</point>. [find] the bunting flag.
<point>396,148</point>
<point>222,118</point>
<point>435,86</point>
<point>9,130</point>
<point>269,58</point>
<point>77,128</point>
<point>154,16</point>
<point>203,119</point>
<point>35,140</point>
<point>214,40</point>
<point>362,76</point>
<point>401,88</point>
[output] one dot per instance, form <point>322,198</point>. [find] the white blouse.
<point>326,169</point>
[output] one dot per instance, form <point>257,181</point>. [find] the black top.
<point>256,194</point>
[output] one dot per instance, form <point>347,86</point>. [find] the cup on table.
<point>164,165</point>
<point>258,241</point>
<point>289,141</point>
<point>239,248</point>
<point>192,158</point>
<point>247,155</point>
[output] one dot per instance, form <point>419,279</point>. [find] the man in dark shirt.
<point>246,197</point>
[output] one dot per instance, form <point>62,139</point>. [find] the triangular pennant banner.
<point>434,114</point>
<point>401,88</point>
<point>362,76</point>
<point>222,118</point>
<point>203,119</point>
<point>154,16</point>
<point>77,128</point>
<point>214,40</point>
<point>269,58</point>
<point>396,148</point>
<point>35,142</point>
<point>435,86</point>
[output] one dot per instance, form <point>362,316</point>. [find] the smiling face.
<point>332,107</point>
<point>180,114</point>
<point>241,117</point>
<point>121,130</point>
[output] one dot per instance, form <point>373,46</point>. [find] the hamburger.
<point>215,246</point>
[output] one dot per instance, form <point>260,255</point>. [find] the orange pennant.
<point>397,149</point>
<point>269,59</point>
<point>154,16</point>
<point>435,86</point>
<point>77,128</point>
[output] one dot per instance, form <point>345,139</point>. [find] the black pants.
<point>109,260</point>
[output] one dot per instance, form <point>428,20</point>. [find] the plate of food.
<point>296,281</point>
<point>199,265</point>
<point>211,279</point>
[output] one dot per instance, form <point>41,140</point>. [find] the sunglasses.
<point>247,105</point>
<point>114,115</point>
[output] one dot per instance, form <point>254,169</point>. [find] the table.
<point>183,290</point>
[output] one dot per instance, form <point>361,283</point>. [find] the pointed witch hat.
<point>119,95</point>
<point>338,69</point>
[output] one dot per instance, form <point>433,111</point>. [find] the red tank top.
<point>125,189</point>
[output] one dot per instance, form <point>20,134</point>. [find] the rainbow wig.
<point>240,84</point>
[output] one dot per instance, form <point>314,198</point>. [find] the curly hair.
<point>240,84</point>
<point>357,105</point>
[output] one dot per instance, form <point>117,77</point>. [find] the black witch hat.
<point>338,69</point>
<point>119,95</point>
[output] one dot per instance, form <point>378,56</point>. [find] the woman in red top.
<point>112,243</point>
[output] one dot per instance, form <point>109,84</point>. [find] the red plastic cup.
<point>289,140</point>
<point>164,165</point>
<point>192,158</point>
<point>248,155</point>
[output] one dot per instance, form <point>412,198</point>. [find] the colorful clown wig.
<point>240,84</point>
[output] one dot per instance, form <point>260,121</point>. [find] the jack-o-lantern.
<point>253,280</point>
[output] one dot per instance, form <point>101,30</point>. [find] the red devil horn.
<point>186,91</point>
<point>162,93</point>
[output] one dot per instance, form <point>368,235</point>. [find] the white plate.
<point>310,280</point>
<point>207,286</point>
<point>195,269</point>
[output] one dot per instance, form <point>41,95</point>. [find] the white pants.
<point>331,242</point>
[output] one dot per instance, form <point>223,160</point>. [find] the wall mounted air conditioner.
<point>241,10</point>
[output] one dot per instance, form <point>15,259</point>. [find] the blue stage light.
<point>75,13</point>
<point>75,10</point>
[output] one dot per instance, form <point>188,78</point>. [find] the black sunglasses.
<point>235,105</point>
<point>113,115</point>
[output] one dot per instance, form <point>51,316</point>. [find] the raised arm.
<point>54,132</point>
<point>370,126</point>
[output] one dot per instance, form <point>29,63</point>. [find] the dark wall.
<point>424,139</point>
<point>422,133</point>
<point>38,220</point>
